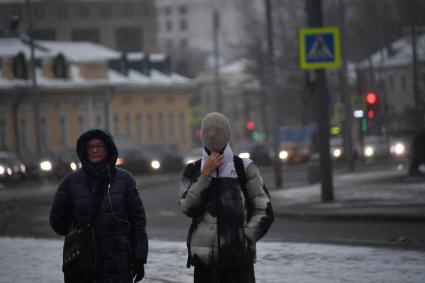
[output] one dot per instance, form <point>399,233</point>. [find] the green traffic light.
<point>364,125</point>
<point>254,134</point>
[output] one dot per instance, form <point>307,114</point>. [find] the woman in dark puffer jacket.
<point>120,225</point>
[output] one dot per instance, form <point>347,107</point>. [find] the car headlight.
<point>2,170</point>
<point>398,149</point>
<point>22,168</point>
<point>283,155</point>
<point>244,155</point>
<point>337,152</point>
<point>369,151</point>
<point>9,171</point>
<point>155,164</point>
<point>119,161</point>
<point>73,166</point>
<point>46,165</point>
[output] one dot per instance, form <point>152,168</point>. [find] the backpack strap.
<point>240,171</point>
<point>237,161</point>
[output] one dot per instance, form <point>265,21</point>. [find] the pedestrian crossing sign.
<point>319,48</point>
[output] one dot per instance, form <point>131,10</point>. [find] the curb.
<point>335,216</point>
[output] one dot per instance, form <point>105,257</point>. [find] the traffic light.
<point>371,105</point>
<point>250,130</point>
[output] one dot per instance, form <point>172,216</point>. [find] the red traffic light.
<point>250,126</point>
<point>371,98</point>
<point>370,114</point>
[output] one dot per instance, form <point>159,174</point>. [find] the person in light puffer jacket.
<point>227,220</point>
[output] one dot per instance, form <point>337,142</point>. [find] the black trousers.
<point>234,275</point>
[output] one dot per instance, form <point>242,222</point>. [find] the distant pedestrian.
<point>229,205</point>
<point>119,225</point>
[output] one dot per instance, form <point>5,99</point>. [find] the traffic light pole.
<point>314,19</point>
<point>274,95</point>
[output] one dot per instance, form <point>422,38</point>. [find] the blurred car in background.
<point>294,153</point>
<point>148,159</point>
<point>55,165</point>
<point>132,160</point>
<point>192,155</point>
<point>256,151</point>
<point>11,167</point>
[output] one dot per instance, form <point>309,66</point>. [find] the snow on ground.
<point>39,260</point>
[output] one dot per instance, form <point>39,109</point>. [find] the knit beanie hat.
<point>215,131</point>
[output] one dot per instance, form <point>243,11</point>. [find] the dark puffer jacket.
<point>121,235</point>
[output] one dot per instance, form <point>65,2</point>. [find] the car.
<point>11,167</point>
<point>149,159</point>
<point>256,151</point>
<point>163,158</point>
<point>133,160</point>
<point>193,155</point>
<point>294,153</point>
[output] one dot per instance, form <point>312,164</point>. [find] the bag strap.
<point>240,171</point>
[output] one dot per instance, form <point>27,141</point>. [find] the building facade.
<point>124,25</point>
<point>47,117</point>
<point>186,28</point>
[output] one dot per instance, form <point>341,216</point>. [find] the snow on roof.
<point>239,66</point>
<point>114,78</point>
<point>77,52</point>
<point>10,47</point>
<point>397,53</point>
<point>81,51</point>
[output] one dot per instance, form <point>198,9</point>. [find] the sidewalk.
<point>386,195</point>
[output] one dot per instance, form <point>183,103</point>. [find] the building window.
<point>105,12</point>
<point>83,12</point>
<point>182,122</point>
<point>62,12</point>
<point>63,130</point>
<point>169,26</point>
<point>161,127</point>
<point>127,125</point>
<point>183,24</point>
<point>38,13</point>
<point>403,82</point>
<point>98,120</point>
<point>116,124</point>
<point>44,34</point>
<point>129,39</point>
<point>3,134</point>
<point>183,44</point>
<point>127,10</point>
<point>171,131</point>
<point>150,127</point>
<point>23,138</point>
<point>81,123</point>
<point>43,134</point>
<point>167,10</point>
<point>92,35</point>
<point>169,44</point>
<point>183,9</point>
<point>390,83</point>
<point>139,127</point>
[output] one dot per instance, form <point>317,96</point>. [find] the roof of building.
<point>83,52</point>
<point>398,53</point>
